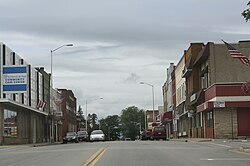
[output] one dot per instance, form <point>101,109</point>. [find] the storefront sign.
<point>219,104</point>
<point>193,97</point>
<point>14,79</point>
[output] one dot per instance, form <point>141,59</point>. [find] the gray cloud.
<point>116,43</point>
<point>132,78</point>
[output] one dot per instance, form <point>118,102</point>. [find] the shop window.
<point>210,119</point>
<point>10,123</point>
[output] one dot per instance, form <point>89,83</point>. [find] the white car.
<point>97,135</point>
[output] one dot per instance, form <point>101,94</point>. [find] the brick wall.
<point>223,123</point>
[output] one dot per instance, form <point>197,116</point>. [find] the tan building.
<point>193,88</point>
<point>218,106</point>
<point>180,92</point>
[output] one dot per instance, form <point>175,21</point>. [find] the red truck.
<point>158,132</point>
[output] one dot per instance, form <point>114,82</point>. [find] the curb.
<point>192,140</point>
<point>46,144</point>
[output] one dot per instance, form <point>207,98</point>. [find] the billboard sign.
<point>14,79</point>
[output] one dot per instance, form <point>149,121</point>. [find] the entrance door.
<point>209,127</point>
<point>34,130</point>
<point>243,118</point>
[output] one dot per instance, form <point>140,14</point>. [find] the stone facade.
<point>225,120</point>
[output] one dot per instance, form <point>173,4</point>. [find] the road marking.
<point>95,157</point>
<point>221,145</point>
<point>98,157</point>
<point>226,159</point>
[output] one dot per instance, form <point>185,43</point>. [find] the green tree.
<point>111,127</point>
<point>81,119</point>
<point>92,119</point>
<point>246,13</point>
<point>132,119</point>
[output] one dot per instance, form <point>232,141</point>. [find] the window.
<point>203,76</point>
<point>210,119</point>
<point>10,123</point>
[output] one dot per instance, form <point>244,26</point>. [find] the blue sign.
<point>15,79</point>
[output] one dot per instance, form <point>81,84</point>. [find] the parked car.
<point>97,135</point>
<point>158,132</point>
<point>143,135</point>
<point>70,137</point>
<point>148,134</point>
<point>83,136</point>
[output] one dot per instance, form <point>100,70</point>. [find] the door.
<point>34,130</point>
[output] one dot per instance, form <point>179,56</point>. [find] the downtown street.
<point>129,153</point>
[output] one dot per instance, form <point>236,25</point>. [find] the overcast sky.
<point>117,43</point>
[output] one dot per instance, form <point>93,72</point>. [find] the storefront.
<point>226,112</point>
<point>20,124</point>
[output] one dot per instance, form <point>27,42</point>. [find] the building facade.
<point>69,119</point>
<point>215,104</point>
<point>180,91</point>
<point>22,120</point>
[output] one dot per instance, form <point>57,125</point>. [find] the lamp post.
<point>87,112</point>
<point>152,98</point>
<point>51,88</point>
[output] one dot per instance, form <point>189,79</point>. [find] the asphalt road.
<point>128,153</point>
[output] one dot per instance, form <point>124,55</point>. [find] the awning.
<point>180,108</point>
<point>203,55</point>
<point>200,97</point>
<point>220,104</point>
<point>13,103</point>
<point>188,68</point>
<point>167,117</point>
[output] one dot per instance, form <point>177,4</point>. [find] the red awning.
<point>167,117</point>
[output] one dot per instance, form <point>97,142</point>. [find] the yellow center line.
<point>95,157</point>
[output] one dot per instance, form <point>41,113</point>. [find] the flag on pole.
<point>58,101</point>
<point>40,104</point>
<point>236,54</point>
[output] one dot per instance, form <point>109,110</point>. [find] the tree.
<point>132,120</point>
<point>111,127</point>
<point>246,13</point>
<point>80,117</point>
<point>92,119</point>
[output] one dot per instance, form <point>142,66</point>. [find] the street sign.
<point>219,104</point>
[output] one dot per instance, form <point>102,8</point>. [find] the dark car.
<point>70,137</point>
<point>158,132</point>
<point>82,136</point>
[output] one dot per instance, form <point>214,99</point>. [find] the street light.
<point>153,100</point>
<point>87,112</point>
<point>51,87</point>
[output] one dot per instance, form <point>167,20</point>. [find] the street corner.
<point>245,149</point>
<point>241,150</point>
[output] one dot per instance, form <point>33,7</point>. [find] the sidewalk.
<point>30,145</point>
<point>192,139</point>
<point>242,149</point>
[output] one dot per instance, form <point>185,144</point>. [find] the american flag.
<point>40,104</point>
<point>58,101</point>
<point>236,54</point>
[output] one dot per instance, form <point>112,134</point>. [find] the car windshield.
<point>159,129</point>
<point>71,134</point>
<point>96,132</point>
<point>81,132</point>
